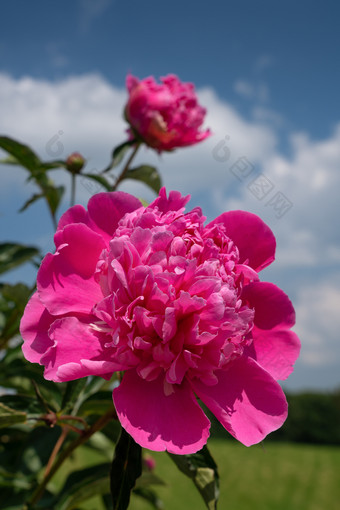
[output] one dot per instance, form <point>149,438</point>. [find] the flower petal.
<point>272,306</point>
<point>76,214</point>
<point>158,420</point>
<point>253,238</point>
<point>104,212</point>
<point>174,202</point>
<point>246,400</point>
<point>106,209</point>
<point>75,343</point>
<point>34,326</point>
<point>276,351</point>
<point>65,280</point>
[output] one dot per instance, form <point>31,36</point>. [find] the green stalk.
<point>73,189</point>
<point>126,167</point>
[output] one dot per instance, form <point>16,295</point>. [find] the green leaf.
<point>119,153</point>
<point>52,165</point>
<point>147,174</point>
<point>202,469</point>
<point>22,403</point>
<point>148,478</point>
<point>9,326</point>
<point>13,499</point>
<point>95,406</point>
<point>50,193</point>
<point>37,169</point>
<point>31,201</point>
<point>13,255</point>
<point>53,196</point>
<point>102,444</point>
<point>17,480</point>
<point>10,160</point>
<point>10,416</point>
<point>22,153</point>
<point>13,441</point>
<point>13,299</point>
<point>16,373</point>
<point>100,179</point>
<point>82,485</point>
<point>18,293</point>
<point>144,202</point>
<point>73,395</point>
<point>126,468</point>
<point>99,403</point>
<point>37,449</point>
<point>78,393</point>
<point>150,496</point>
<point>94,384</point>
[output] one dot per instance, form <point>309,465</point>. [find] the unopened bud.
<point>75,163</point>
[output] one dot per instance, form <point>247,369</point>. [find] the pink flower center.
<point>171,296</point>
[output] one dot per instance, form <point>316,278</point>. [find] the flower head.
<point>164,116</point>
<point>175,304</point>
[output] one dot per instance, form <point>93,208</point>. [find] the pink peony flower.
<point>164,116</point>
<point>176,305</point>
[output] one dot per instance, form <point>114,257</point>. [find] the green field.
<point>278,476</point>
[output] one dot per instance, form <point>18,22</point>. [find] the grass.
<point>278,476</point>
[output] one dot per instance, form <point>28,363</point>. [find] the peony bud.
<point>75,163</point>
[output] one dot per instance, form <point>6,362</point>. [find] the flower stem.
<point>56,449</point>
<point>98,425</point>
<point>126,167</point>
<point>73,189</point>
<point>65,417</point>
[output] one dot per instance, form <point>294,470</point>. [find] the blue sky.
<point>268,74</point>
<point>291,47</point>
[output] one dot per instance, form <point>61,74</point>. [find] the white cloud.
<point>244,88</point>
<point>263,62</point>
<point>56,56</point>
<point>318,325</point>
<point>256,91</point>
<point>309,179</point>
<point>261,114</point>
<point>85,111</point>
<point>90,10</point>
